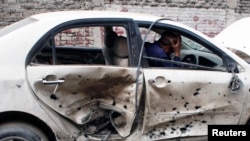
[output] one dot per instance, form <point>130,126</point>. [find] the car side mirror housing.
<point>230,64</point>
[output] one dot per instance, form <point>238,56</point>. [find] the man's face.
<point>172,40</point>
<point>167,43</point>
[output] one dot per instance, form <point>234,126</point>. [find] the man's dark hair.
<point>167,34</point>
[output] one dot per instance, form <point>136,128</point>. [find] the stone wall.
<point>207,16</point>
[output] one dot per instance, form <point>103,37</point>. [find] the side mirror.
<point>230,64</point>
<point>235,83</point>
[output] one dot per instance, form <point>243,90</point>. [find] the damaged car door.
<point>77,83</point>
<point>183,101</point>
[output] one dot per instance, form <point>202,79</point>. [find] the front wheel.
<point>18,131</point>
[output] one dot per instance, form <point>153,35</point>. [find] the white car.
<point>65,78</point>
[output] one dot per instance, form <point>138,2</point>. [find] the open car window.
<point>73,46</point>
<point>193,54</point>
<point>86,45</point>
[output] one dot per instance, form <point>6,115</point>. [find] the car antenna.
<point>139,65</point>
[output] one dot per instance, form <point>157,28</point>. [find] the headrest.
<point>109,39</point>
<point>120,47</point>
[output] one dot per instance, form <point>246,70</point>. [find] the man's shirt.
<point>155,50</point>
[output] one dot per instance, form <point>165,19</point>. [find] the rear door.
<point>70,76</point>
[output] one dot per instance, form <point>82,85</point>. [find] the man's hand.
<point>176,45</point>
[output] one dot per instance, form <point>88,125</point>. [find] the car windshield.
<point>16,26</point>
<point>191,45</point>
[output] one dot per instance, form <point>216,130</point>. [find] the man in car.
<point>163,48</point>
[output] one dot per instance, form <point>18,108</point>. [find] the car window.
<point>86,45</point>
<point>151,37</point>
<point>80,37</point>
<point>192,45</point>
<point>193,55</point>
<point>203,56</point>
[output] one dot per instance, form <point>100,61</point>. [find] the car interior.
<point>106,48</point>
<point>109,46</point>
<point>193,54</point>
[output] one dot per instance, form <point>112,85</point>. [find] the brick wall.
<point>207,16</point>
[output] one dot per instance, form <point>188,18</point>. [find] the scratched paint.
<point>176,103</point>
<point>91,96</point>
<point>184,104</point>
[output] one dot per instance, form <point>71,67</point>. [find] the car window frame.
<point>227,60</point>
<point>128,23</point>
<point>67,54</point>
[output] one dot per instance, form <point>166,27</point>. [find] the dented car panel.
<point>185,105</point>
<point>88,93</point>
<point>84,75</point>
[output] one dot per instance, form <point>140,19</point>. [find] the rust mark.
<point>53,96</point>
<point>183,130</point>
<point>203,121</point>
<point>172,121</point>
<point>74,93</point>
<point>200,114</point>
<point>197,92</point>
<point>125,106</point>
<point>162,133</point>
<point>173,129</point>
<point>185,105</point>
<point>99,87</point>
<point>197,107</point>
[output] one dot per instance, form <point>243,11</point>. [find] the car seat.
<point>107,50</point>
<point>120,50</point>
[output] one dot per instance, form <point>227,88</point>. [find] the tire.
<point>17,131</point>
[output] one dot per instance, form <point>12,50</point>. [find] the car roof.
<point>28,31</point>
<point>45,21</point>
<point>94,14</point>
<point>63,16</point>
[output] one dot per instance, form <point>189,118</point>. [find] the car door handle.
<point>48,82</point>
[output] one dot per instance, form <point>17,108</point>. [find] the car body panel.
<point>86,91</point>
<point>235,36</point>
<point>185,105</point>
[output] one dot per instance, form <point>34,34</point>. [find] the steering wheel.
<point>190,59</point>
